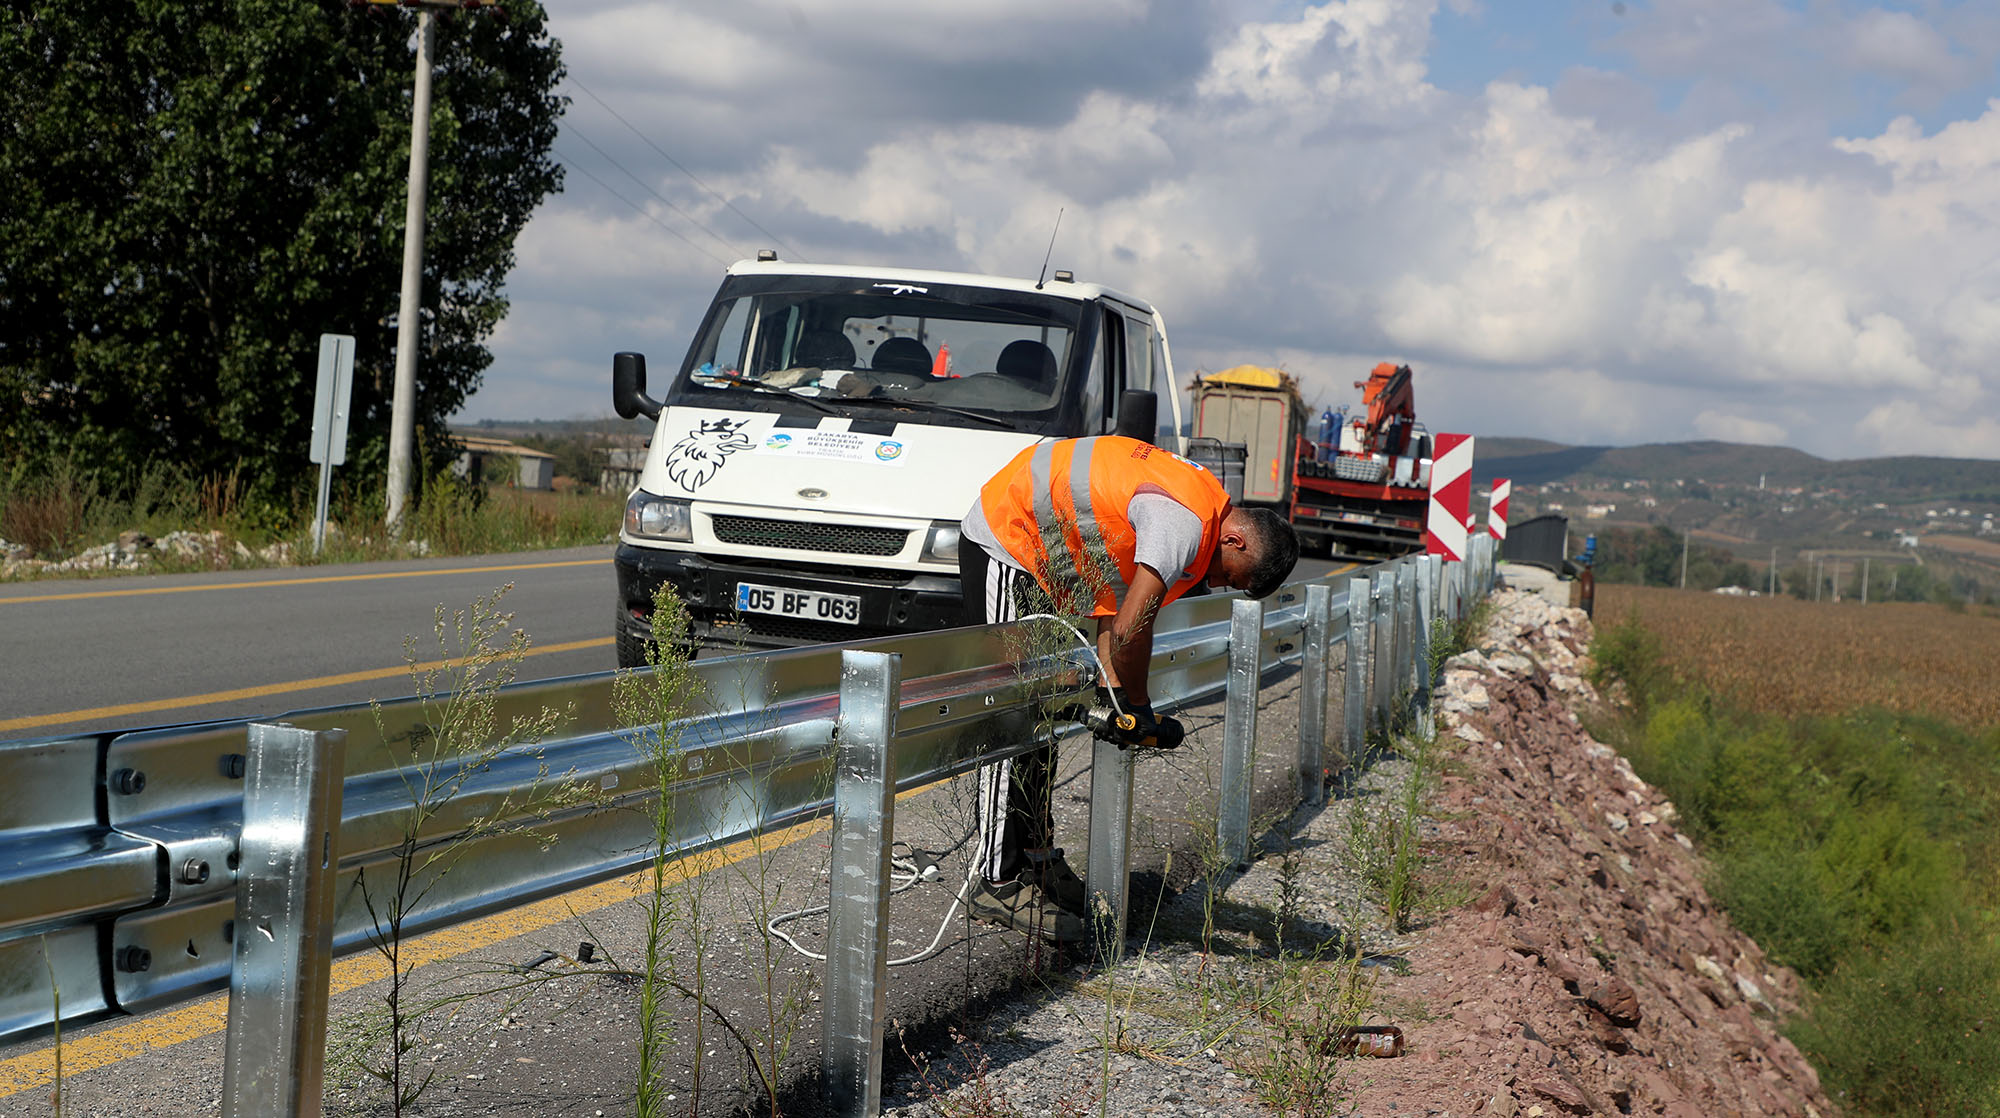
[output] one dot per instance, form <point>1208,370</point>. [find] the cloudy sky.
<point>1769,221</point>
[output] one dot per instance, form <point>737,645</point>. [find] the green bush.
<point>1912,1030</point>
<point>1862,851</point>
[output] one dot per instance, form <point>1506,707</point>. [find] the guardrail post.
<point>1420,698</point>
<point>1312,693</point>
<point>1110,840</point>
<point>1382,673</point>
<point>1406,632</point>
<point>857,954</point>
<point>1354,693</point>
<point>1239,729</point>
<point>274,1053</point>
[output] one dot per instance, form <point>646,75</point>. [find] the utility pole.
<point>1864,580</point>
<point>409,313</point>
<point>1686,535</point>
<point>402,413</point>
<point>1773,591</point>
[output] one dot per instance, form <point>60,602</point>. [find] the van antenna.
<point>1052,250</point>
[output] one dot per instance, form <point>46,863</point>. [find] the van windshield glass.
<point>957,349</point>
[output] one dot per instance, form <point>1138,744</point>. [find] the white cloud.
<point>1905,427</point>
<point>1899,43</point>
<point>1296,190</point>
<point>1733,428</point>
<point>1368,51</point>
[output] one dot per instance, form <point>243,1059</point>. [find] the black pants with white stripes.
<point>1017,796</point>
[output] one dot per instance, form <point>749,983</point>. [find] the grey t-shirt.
<point>1168,534</point>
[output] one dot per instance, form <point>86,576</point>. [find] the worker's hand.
<point>1133,725</point>
<point>1105,700</point>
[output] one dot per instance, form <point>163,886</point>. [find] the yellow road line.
<point>267,583</point>
<point>211,1015</point>
<point>31,721</point>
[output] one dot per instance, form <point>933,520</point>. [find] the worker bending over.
<point>1110,528</point>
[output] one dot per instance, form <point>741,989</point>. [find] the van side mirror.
<point>1138,414</point>
<point>628,387</point>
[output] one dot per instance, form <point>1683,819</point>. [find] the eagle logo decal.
<point>701,452</point>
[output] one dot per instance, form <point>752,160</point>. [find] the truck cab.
<point>830,426</point>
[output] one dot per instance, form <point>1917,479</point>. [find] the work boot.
<point>1059,881</point>
<point>1023,906</point>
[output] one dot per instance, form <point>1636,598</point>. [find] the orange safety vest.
<point>1082,487</point>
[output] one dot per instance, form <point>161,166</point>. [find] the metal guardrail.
<point>129,859</point>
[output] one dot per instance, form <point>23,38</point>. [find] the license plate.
<point>810,605</point>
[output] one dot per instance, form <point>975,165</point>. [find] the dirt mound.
<point>1594,975</point>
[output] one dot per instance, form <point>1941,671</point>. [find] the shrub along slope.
<point>1860,845</point>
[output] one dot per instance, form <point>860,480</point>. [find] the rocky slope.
<point>1594,975</point>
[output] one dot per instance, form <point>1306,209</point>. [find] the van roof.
<point>1072,290</point>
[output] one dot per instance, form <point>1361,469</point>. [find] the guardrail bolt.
<point>128,782</point>
<point>194,871</point>
<point>233,765</point>
<point>133,959</point>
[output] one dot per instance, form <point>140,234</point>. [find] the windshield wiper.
<point>739,385</point>
<point>926,405</point>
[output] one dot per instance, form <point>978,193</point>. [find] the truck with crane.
<point>1356,486</point>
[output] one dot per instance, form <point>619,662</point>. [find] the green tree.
<point>195,192</point>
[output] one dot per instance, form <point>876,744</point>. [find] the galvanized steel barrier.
<point>141,869</point>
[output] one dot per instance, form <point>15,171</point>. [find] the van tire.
<point>633,652</point>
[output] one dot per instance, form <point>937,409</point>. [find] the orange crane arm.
<point>1389,394</point>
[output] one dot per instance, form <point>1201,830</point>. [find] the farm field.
<point>1791,658</point>
<point>1839,764</point>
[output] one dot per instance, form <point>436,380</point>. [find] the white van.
<point>830,426</point>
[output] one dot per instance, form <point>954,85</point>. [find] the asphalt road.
<point>118,653</point>
<point>124,653</point>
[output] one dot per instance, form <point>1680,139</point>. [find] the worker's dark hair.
<point>1275,546</point>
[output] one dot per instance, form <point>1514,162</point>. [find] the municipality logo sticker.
<point>778,441</point>
<point>888,450</point>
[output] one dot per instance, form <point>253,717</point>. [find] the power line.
<point>636,207</point>
<point>573,130</point>
<point>775,239</point>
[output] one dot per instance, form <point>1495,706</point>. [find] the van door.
<point>1107,376</point>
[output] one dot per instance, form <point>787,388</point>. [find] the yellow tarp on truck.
<point>1252,376</point>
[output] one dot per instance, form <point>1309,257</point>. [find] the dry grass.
<point>1792,658</point>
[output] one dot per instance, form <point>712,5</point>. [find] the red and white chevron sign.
<point>1451,496</point>
<point>1496,508</point>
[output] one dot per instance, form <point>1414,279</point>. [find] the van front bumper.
<point>891,601</point>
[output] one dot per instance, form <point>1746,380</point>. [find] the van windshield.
<point>946,350</point>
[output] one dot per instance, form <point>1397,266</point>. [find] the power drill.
<point>1127,730</point>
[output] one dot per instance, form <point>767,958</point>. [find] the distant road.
<point>146,651</point>
<point>121,653</point>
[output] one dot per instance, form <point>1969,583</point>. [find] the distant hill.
<point>1537,462</point>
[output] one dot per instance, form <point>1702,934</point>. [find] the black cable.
<point>573,130</point>
<point>790,253</point>
<point>640,210</point>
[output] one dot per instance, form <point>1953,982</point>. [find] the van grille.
<point>846,539</point>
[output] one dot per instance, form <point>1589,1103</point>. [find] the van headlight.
<point>659,518</point>
<point>941,543</point>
